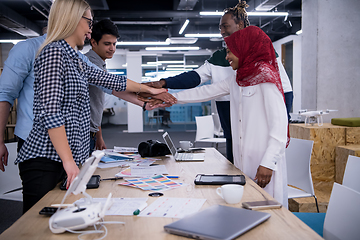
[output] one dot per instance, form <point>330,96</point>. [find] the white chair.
<point>351,174</point>
<point>218,131</point>
<point>10,179</point>
<point>205,131</point>
<point>298,155</point>
<point>343,214</point>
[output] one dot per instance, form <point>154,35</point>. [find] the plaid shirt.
<point>61,97</point>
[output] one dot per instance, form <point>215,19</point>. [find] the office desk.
<point>281,225</point>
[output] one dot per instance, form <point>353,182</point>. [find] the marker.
<point>172,176</point>
<point>142,207</point>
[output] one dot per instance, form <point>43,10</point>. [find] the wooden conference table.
<point>281,225</point>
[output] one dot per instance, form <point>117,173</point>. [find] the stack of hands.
<point>159,100</point>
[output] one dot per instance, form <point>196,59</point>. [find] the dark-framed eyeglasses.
<point>90,22</point>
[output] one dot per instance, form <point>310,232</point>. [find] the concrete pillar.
<point>331,56</point>
<point>134,72</point>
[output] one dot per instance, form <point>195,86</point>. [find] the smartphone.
<point>215,179</point>
<point>94,182</point>
<point>48,211</point>
<point>260,205</point>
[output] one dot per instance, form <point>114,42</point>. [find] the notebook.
<point>217,222</point>
<point>181,156</point>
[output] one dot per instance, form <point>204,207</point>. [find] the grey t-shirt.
<point>97,96</point>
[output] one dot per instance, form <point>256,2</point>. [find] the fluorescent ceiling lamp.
<point>171,48</point>
<point>183,66</point>
<point>299,32</point>
<point>11,41</point>
<point>181,40</point>
<point>259,14</point>
<point>154,63</point>
<point>141,43</point>
<point>206,35</point>
<point>117,73</point>
<point>184,26</point>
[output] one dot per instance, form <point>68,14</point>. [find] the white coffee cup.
<point>231,193</point>
<point>185,145</point>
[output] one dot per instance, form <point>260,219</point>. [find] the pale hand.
<point>71,171</point>
<point>3,157</point>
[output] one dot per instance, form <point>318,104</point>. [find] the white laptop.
<point>217,222</point>
<point>182,156</point>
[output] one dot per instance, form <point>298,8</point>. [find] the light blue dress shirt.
<point>17,81</point>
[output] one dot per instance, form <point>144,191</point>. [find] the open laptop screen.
<point>169,143</point>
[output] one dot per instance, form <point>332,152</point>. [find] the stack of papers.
<point>120,206</point>
<point>142,171</point>
<point>173,207</point>
<point>156,183</point>
<point>109,158</point>
<point>115,159</point>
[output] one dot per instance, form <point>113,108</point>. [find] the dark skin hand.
<point>164,97</point>
<point>263,176</point>
<point>154,101</point>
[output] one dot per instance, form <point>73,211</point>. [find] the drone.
<point>312,117</point>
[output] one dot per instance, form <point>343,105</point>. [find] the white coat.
<point>259,128</point>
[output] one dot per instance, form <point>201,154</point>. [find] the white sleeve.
<point>276,117</point>
<point>204,93</point>
<point>204,72</point>
<point>285,81</point>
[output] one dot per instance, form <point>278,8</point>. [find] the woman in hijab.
<point>257,108</point>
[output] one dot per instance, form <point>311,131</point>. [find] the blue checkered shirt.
<point>61,97</point>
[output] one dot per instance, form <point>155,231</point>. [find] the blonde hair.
<point>63,19</point>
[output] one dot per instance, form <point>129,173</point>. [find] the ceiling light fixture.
<point>171,48</point>
<point>11,41</point>
<point>184,26</point>
<point>141,43</point>
<point>203,35</point>
<point>299,32</point>
<point>257,14</point>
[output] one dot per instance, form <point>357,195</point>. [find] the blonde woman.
<point>59,139</point>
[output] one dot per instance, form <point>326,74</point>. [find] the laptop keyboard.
<point>187,156</point>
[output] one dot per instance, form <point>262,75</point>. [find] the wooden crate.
<point>325,138</point>
<point>342,154</point>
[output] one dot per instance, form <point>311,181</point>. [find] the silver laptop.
<point>181,156</point>
<point>217,222</point>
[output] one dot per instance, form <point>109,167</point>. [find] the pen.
<point>172,176</point>
<point>142,207</point>
<point>115,178</point>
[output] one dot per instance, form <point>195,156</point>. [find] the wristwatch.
<point>144,106</point>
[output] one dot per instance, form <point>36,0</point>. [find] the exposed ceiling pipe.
<point>34,7</point>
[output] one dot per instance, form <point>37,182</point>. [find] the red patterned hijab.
<point>257,59</point>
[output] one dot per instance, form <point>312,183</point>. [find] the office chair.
<point>351,174</point>
<point>298,155</point>
<point>205,131</point>
<point>342,217</point>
